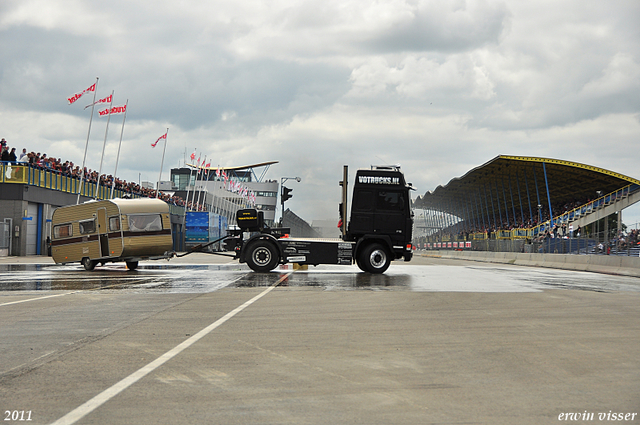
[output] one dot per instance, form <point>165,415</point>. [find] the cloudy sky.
<point>437,86</point>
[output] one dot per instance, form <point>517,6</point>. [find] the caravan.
<point>126,230</point>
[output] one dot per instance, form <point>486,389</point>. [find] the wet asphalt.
<point>431,341</point>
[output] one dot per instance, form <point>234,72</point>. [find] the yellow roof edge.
<point>570,164</point>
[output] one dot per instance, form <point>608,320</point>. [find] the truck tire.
<point>132,265</point>
<point>374,258</point>
<point>262,256</point>
<point>88,264</point>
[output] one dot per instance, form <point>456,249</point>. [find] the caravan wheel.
<point>88,264</point>
<point>132,265</point>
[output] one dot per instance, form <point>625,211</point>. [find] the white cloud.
<point>620,76</point>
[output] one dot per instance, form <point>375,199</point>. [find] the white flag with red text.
<point>77,96</point>
<point>107,99</point>
<point>164,136</point>
<point>113,111</point>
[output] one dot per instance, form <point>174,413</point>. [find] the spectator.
<point>12,156</point>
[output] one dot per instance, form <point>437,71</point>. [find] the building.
<point>28,197</point>
<point>227,190</point>
<point>327,228</point>
<point>298,227</point>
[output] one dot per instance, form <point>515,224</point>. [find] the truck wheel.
<point>132,265</point>
<point>374,259</point>
<point>262,256</point>
<point>88,264</point>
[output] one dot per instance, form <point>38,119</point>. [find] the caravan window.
<point>114,224</point>
<point>145,222</point>
<point>88,226</point>
<point>62,231</point>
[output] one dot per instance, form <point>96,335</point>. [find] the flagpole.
<point>162,164</point>
<point>86,145</point>
<point>206,190</point>
<point>104,145</point>
<point>201,174</point>
<point>216,192</point>
<point>195,182</point>
<point>186,202</point>
<point>186,208</point>
<point>115,172</point>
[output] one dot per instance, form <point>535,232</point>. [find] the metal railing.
<point>55,180</point>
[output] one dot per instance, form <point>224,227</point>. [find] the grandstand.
<point>527,204</point>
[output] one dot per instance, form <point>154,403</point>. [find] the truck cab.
<point>381,219</point>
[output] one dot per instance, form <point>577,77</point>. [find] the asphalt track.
<point>434,341</point>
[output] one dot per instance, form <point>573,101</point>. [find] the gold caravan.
<point>127,230</point>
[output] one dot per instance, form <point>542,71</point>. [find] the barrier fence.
<point>588,244</point>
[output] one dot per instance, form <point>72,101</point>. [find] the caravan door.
<point>103,232</point>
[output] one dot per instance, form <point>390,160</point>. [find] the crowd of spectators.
<point>464,229</point>
<point>41,161</point>
<point>623,241</point>
<point>540,216</point>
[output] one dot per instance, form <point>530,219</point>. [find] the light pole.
<point>539,215</point>
<point>597,204</point>
<point>284,193</point>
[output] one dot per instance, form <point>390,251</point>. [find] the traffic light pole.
<point>284,193</point>
<point>343,206</point>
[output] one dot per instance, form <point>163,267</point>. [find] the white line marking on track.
<point>97,401</point>
<point>38,298</point>
<point>66,293</point>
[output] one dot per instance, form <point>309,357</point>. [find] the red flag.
<point>77,96</point>
<point>164,136</point>
<point>114,110</point>
<point>107,99</point>
<point>193,156</point>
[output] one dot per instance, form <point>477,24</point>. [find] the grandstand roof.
<point>235,168</point>
<point>508,180</point>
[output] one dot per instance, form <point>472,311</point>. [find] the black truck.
<point>378,231</point>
